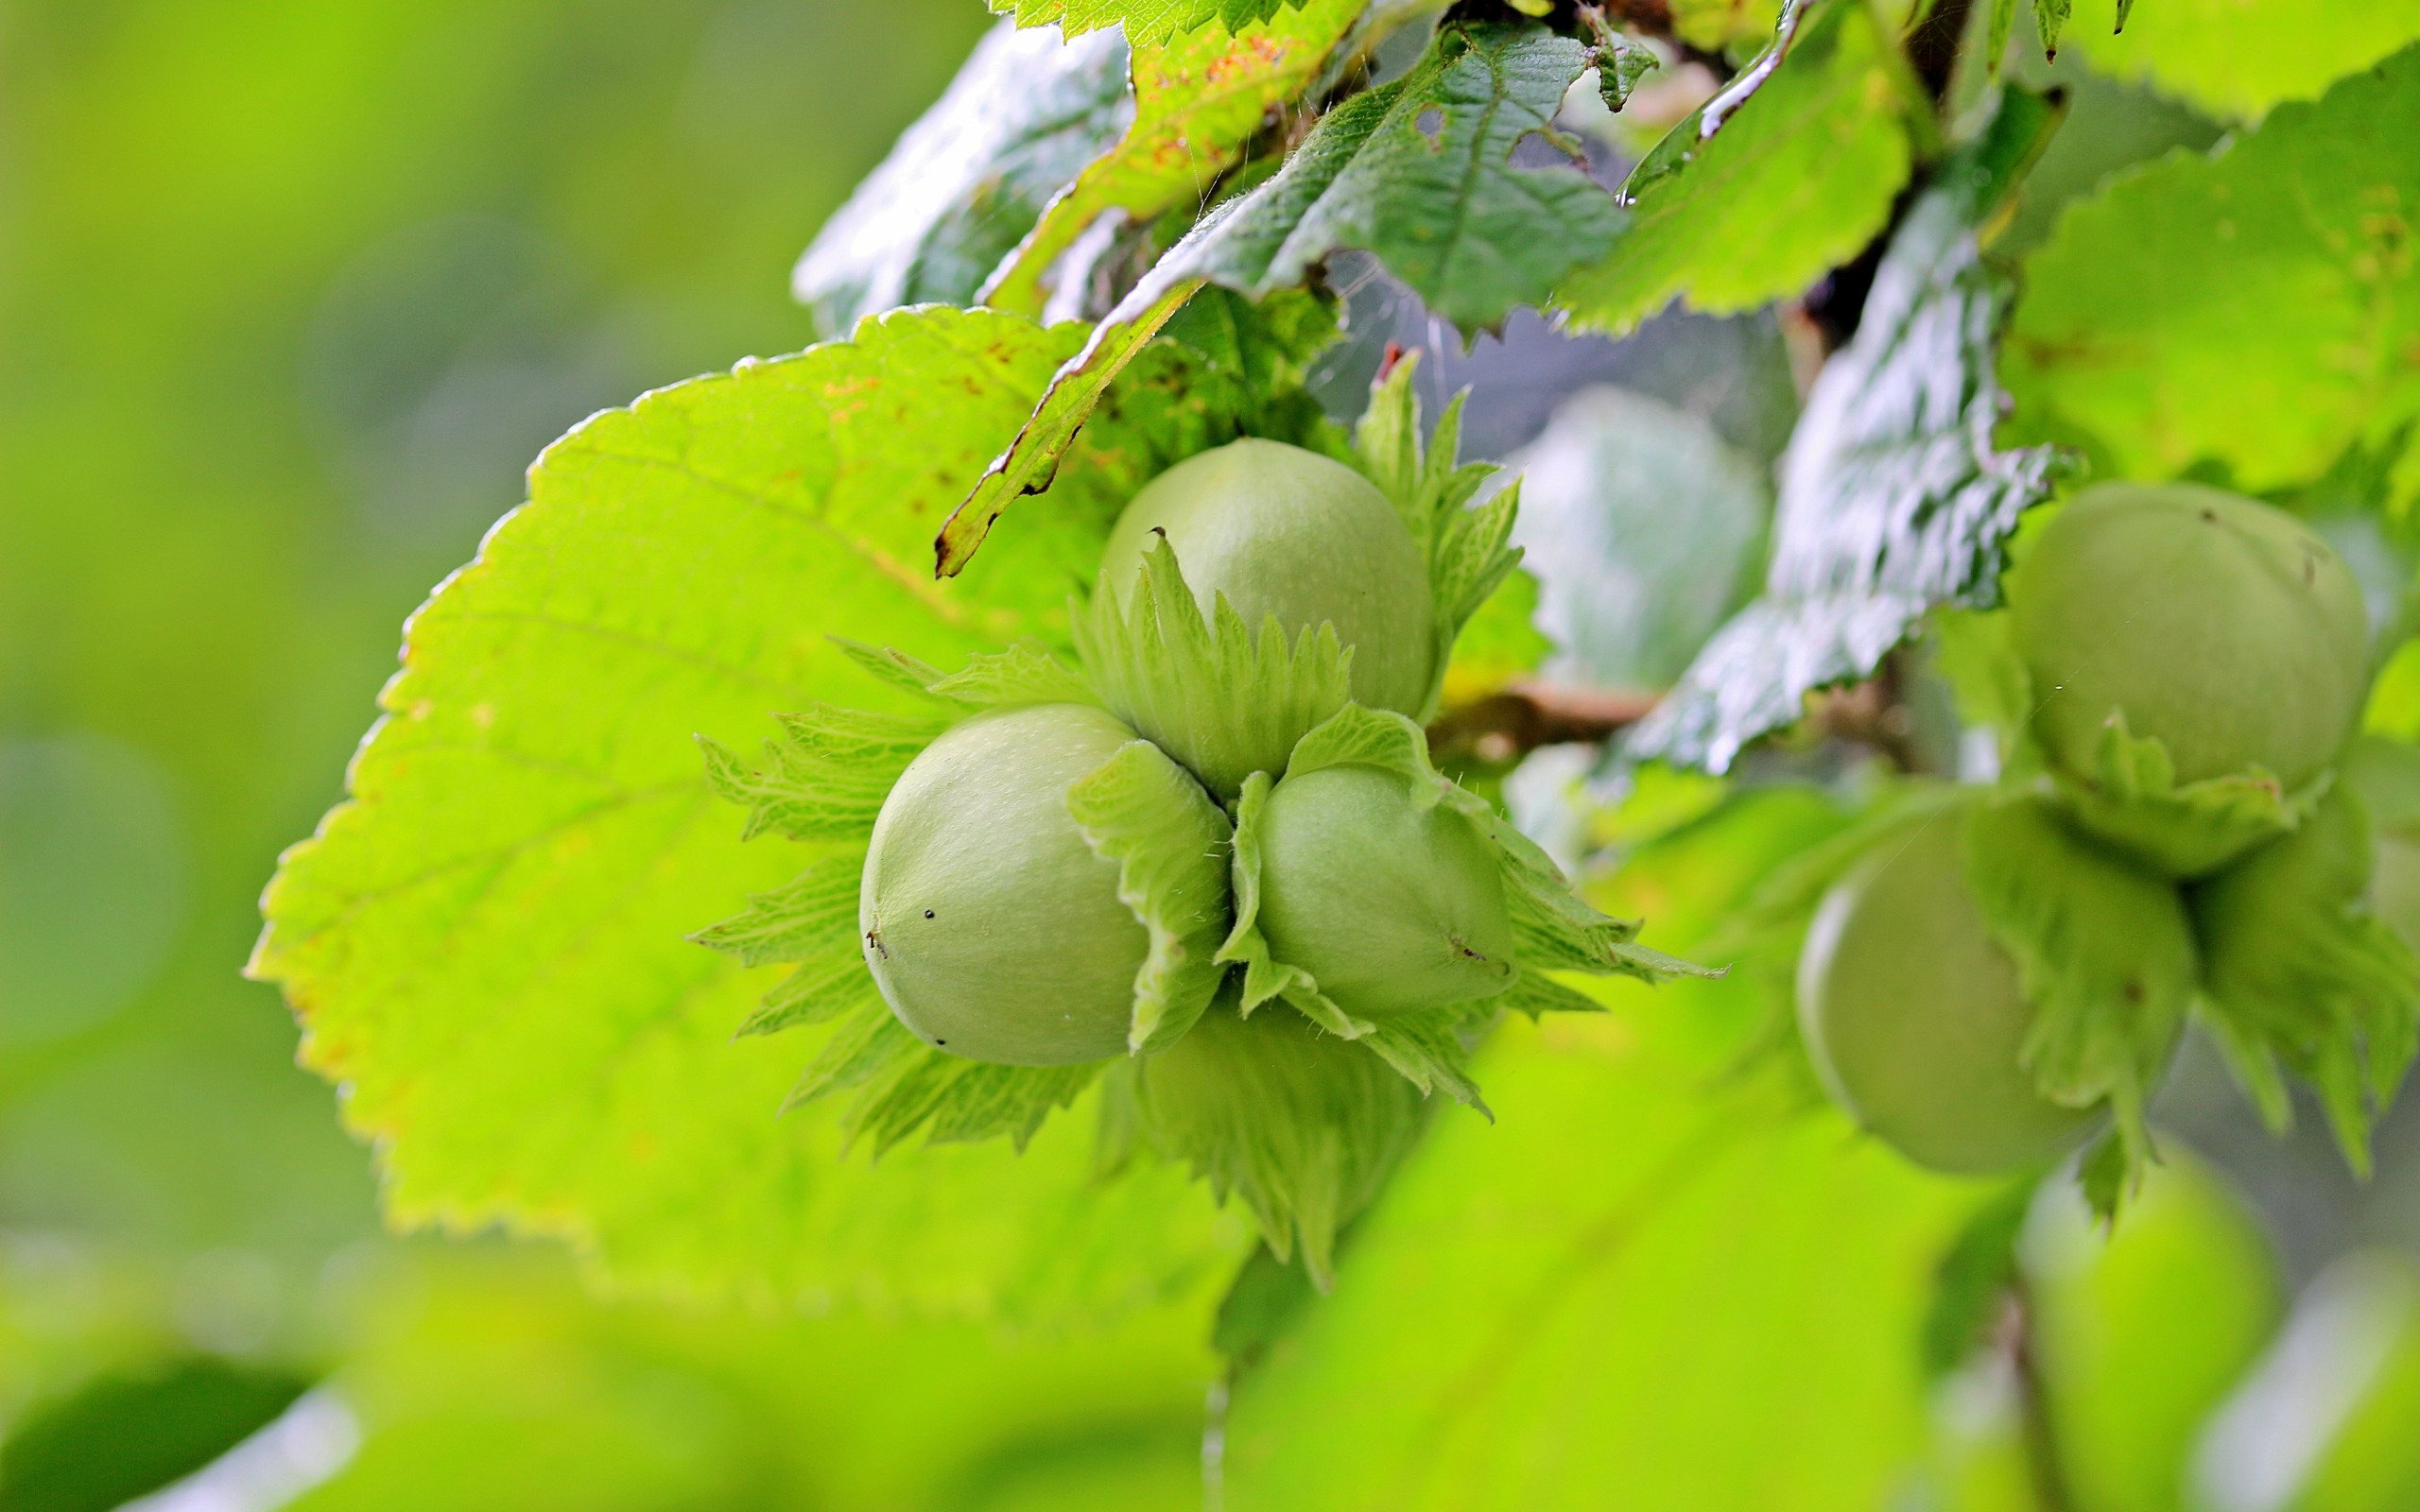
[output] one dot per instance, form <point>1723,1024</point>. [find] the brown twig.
<point>1521,717</point>
<point>1525,716</point>
<point>1873,713</point>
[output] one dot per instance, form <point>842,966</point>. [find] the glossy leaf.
<point>1796,182</point>
<point>1418,171</point>
<point>969,180</point>
<point>1893,497</point>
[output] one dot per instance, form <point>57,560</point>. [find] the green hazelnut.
<point>1389,905</point>
<point>2216,624</point>
<point>2250,915</point>
<point>993,929</point>
<point>1285,533</point>
<point>1913,1013</point>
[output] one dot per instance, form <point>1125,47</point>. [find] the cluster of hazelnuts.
<point>2220,644</point>
<point>2194,666</point>
<point>996,927</point>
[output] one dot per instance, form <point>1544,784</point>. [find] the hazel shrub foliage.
<point>1210,866</point>
<point>2185,823</point>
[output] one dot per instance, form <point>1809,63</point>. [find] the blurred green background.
<point>289,294</point>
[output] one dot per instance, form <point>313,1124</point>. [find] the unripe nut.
<point>1390,906</point>
<point>2216,624</point>
<point>993,929</point>
<point>1284,532</point>
<point>1913,1013</point>
<point>2244,913</point>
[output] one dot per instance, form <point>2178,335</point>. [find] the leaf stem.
<point>2045,1467</point>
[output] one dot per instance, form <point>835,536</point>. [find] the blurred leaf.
<point>1793,184</point>
<point>1637,1272</point>
<point>1715,25</point>
<point>1146,21</point>
<point>1418,171</point>
<point>970,179</point>
<point>2279,328</point>
<point>1643,527</point>
<point>1198,100</point>
<point>2139,1332</point>
<point>486,1381</point>
<point>486,944</point>
<point>1893,499</point>
<point>123,1435</point>
<point>2238,57</point>
<point>1785,1265</point>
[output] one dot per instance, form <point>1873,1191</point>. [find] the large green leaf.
<point>2239,57</point>
<point>1797,180</point>
<point>1145,22</point>
<point>134,1431</point>
<point>2257,309</point>
<point>482,1382</point>
<point>1599,1304</point>
<point>1198,100</point>
<point>1640,1273</point>
<point>486,944</point>
<point>1418,171</point>
<point>1893,498</point>
<point>968,180</point>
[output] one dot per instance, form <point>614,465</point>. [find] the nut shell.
<point>993,929</point>
<point>1286,532</point>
